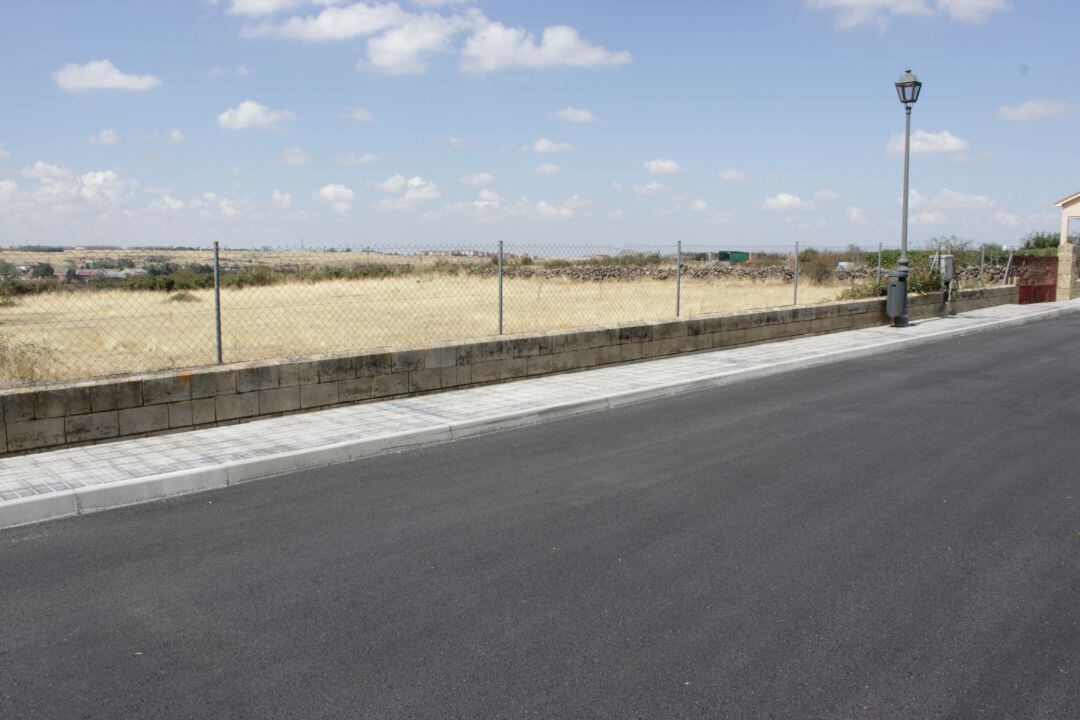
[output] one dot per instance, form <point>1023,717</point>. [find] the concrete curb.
<point>103,497</point>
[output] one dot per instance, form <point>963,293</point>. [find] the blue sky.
<point>608,122</point>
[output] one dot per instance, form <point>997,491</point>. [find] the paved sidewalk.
<point>85,479</point>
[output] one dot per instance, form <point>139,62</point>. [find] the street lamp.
<point>908,88</point>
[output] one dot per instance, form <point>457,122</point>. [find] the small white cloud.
<point>826,195</point>
<point>392,184</point>
<point>929,218</point>
<point>616,186</point>
<point>242,71</point>
<point>337,196</point>
<point>282,200</point>
<point>101,75</point>
<point>175,136</point>
<point>459,143</point>
<point>358,114</point>
<point>355,160</point>
<point>105,137</point>
<point>261,7</point>
<point>653,188</point>
<point>250,114</point>
<point>405,49</point>
<point>294,156</point>
<point>1035,110</point>
<point>493,46</point>
<point>857,215</point>
<point>662,167</point>
<point>578,116</point>
<point>547,169</point>
<point>787,201</point>
<point>334,23</point>
<point>949,199</point>
<point>731,175</point>
<point>477,179</point>
<point>544,146</point>
<point>699,206</point>
<point>876,13</point>
<point>416,190</point>
<point>927,143</point>
<point>1007,219</point>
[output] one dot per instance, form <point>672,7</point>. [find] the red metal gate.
<point>1036,277</point>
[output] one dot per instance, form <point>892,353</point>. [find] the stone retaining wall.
<point>54,416</point>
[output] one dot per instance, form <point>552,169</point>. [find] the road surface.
<point>891,537</point>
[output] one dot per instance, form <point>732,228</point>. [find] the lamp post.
<point>908,88</point>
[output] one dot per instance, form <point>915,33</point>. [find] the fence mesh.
<point>70,313</point>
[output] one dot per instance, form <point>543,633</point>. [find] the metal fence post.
<point>879,263</point>
<point>500,287</point>
<point>678,278</point>
<point>1008,269</point>
<point>982,264</point>
<point>796,298</point>
<point>217,299</point>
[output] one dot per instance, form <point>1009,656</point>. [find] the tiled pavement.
<point>365,429</point>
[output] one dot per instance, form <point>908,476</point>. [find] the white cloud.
<point>547,168</point>
<point>1007,219</point>
<point>929,218</point>
<point>175,136</point>
<point>334,23</point>
<point>927,143</point>
<point>4,152</point>
<point>662,167</point>
<point>699,206</point>
<point>261,7</point>
<point>490,206</point>
<point>787,201</point>
<point>7,191</point>
<point>392,184</point>
<point>355,160</point>
<point>975,11</point>
<point>653,188</point>
<point>403,50</point>
<point>493,46</point>
<point>101,75</point>
<point>857,215</point>
<point>282,200</point>
<point>358,114</point>
<point>337,196</point>
<point>545,146</point>
<point>416,190</point>
<point>107,136</point>
<point>616,186</point>
<point>294,156</point>
<point>478,179</point>
<point>825,195</point>
<point>854,13</point>
<point>1035,110</point>
<point>947,199</point>
<point>578,116</point>
<point>440,3</point>
<point>250,114</point>
<point>731,175</point>
<point>459,143</point>
<point>242,70</point>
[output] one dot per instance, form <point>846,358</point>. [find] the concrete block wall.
<point>42,418</point>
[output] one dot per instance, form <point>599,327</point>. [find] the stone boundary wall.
<point>64,415</point>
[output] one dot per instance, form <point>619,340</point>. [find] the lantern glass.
<point>908,88</point>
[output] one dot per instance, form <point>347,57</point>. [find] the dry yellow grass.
<point>82,334</point>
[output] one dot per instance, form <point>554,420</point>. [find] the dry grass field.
<point>67,335</point>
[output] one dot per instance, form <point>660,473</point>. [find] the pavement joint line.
<point>426,423</point>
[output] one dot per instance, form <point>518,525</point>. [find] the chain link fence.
<point>72,313</point>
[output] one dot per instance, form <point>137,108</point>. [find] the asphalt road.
<point>892,537</point>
